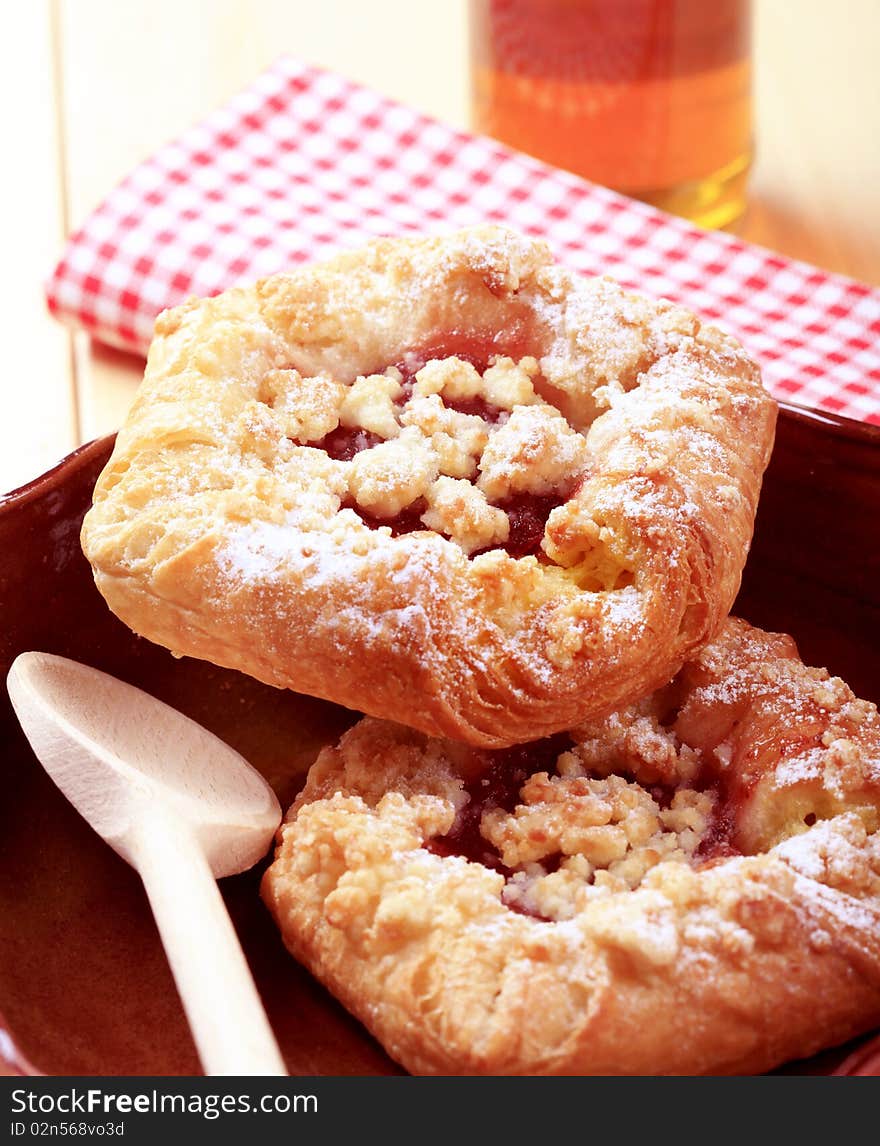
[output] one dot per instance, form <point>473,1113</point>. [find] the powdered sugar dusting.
<point>861,918</point>
<point>259,552</point>
<point>805,767</point>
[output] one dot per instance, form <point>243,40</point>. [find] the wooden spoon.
<point>181,807</point>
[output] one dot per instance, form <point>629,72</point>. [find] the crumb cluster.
<point>455,443</point>
<point>606,834</point>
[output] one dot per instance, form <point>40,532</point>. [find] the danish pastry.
<point>444,468</point>
<point>689,885</point>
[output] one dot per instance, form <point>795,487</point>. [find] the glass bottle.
<point>649,97</point>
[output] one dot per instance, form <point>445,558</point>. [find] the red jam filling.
<point>344,442</point>
<point>476,407</point>
<point>479,350</point>
<point>497,784</point>
<point>408,520</point>
<point>526,513</point>
<point>527,516</point>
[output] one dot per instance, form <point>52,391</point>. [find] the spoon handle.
<point>225,1014</point>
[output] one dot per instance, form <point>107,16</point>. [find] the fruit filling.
<point>463,445</point>
<point>579,815</point>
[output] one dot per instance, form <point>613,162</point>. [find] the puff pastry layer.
<point>690,885</point>
<point>438,468</point>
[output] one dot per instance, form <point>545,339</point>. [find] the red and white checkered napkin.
<point>304,162</point>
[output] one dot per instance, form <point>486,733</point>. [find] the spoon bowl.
<point>117,753</point>
<point>180,806</point>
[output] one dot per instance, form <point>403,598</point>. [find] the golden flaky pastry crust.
<point>320,474</point>
<point>693,888</point>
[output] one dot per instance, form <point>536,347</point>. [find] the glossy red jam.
<point>479,350</point>
<point>408,520</point>
<point>497,784</point>
<point>345,441</point>
<point>527,515</point>
<point>476,407</point>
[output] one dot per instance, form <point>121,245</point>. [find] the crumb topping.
<point>745,751</point>
<point>461,440</point>
<point>456,507</point>
<point>535,451</point>
<point>369,404</point>
<point>390,477</point>
<point>625,795</point>
<point>633,740</point>
<point>307,408</point>
<point>605,833</point>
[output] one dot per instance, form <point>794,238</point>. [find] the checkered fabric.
<point>304,162</point>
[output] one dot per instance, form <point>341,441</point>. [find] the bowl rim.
<point>36,486</point>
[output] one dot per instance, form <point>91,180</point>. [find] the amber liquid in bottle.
<point>650,97</point>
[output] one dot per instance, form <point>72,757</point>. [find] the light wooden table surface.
<point>91,87</point>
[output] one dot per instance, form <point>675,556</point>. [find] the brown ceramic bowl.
<point>84,986</point>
